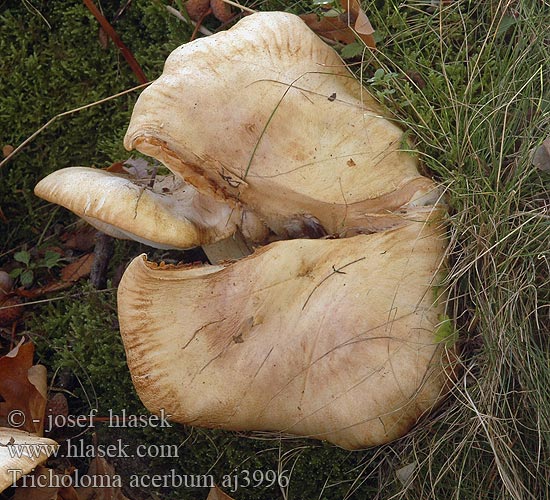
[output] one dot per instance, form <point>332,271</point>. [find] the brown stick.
<point>130,59</point>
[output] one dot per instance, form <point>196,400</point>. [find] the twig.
<point>103,251</point>
<point>66,113</point>
<point>334,271</point>
<point>175,12</point>
<point>239,6</point>
<point>199,24</point>
<point>130,59</point>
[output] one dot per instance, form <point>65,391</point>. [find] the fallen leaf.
<point>82,239</point>
<point>21,389</point>
<point>138,168</point>
<point>344,28</point>
<point>69,275</point>
<point>116,168</point>
<point>197,9</point>
<point>45,484</point>
<point>7,150</point>
<point>332,28</point>
<point>217,494</point>
<point>357,18</point>
<point>221,10</point>
<point>11,309</point>
<point>78,269</point>
<point>56,406</point>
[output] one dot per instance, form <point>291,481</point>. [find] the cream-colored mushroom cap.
<point>34,451</point>
<point>332,339</point>
<point>267,114</point>
<point>170,214</point>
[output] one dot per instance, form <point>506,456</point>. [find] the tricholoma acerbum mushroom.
<point>328,330</point>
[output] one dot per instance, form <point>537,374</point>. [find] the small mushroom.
<point>34,450</point>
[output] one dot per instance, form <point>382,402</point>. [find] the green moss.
<point>445,331</point>
<point>53,70</point>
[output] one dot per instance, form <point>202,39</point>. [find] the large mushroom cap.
<point>332,339</point>
<point>267,114</point>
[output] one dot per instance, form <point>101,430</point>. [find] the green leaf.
<point>51,259</point>
<point>16,272</point>
<point>507,22</point>
<point>378,74</point>
<point>352,50</point>
<point>22,256</point>
<point>27,277</point>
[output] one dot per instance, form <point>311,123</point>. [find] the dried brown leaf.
<point>7,150</point>
<point>21,393</point>
<point>82,239</point>
<point>56,406</point>
<point>332,28</point>
<point>221,10</point>
<point>43,486</point>
<point>541,156</point>
<point>78,269</point>
<point>10,309</point>
<point>196,9</point>
<point>344,28</point>
<point>69,275</point>
<point>100,467</point>
<point>217,494</point>
<point>356,18</point>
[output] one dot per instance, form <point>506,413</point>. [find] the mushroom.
<point>167,213</point>
<point>33,449</point>
<point>267,115</point>
<point>332,338</point>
